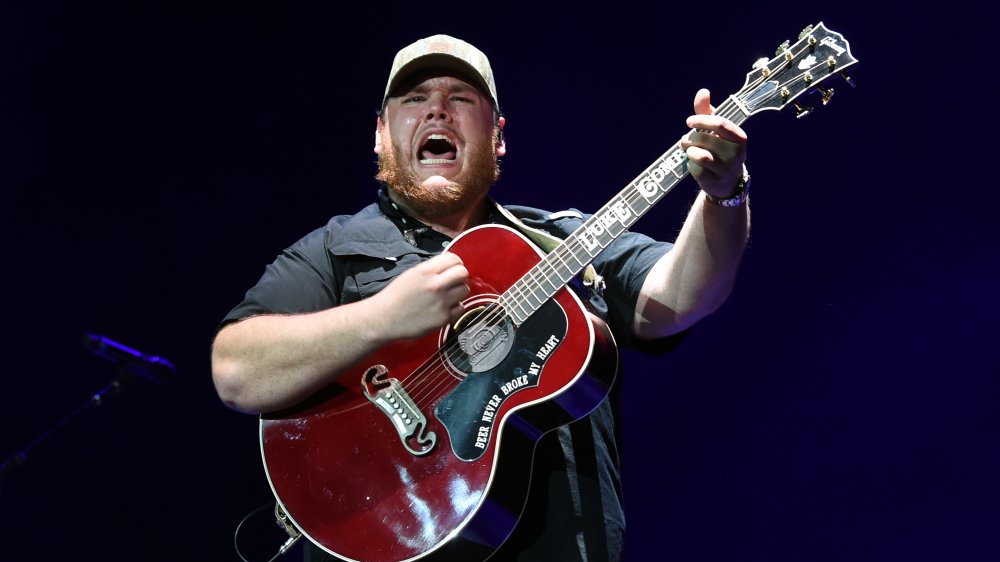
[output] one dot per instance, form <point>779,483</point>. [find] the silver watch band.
<point>741,195</point>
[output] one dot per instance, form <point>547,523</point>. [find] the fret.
<point>516,302</point>
<point>532,293</point>
<point>516,317</point>
<point>580,264</point>
<point>547,279</point>
<point>524,292</point>
<point>555,255</point>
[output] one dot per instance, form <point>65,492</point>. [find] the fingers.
<point>715,148</point>
<point>456,313</point>
<point>453,287</point>
<point>712,153</point>
<point>450,281</point>
<point>452,275</point>
<point>445,274</point>
<point>718,126</point>
<point>703,120</point>
<point>702,102</point>
<point>425,297</point>
<point>442,262</point>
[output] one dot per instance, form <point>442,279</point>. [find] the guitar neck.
<point>602,228</point>
<point>773,84</point>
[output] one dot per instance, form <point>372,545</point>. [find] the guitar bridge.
<point>390,397</point>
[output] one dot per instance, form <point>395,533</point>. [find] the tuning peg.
<point>802,110</point>
<point>812,38</point>
<point>848,79</point>
<point>827,93</point>
<point>761,65</point>
<point>782,48</point>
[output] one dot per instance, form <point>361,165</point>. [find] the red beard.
<point>433,203</point>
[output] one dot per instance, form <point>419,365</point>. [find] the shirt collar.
<point>415,232</point>
<point>383,230</point>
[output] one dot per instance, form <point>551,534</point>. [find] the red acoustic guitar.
<point>425,451</point>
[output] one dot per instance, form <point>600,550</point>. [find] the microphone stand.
<point>127,372</point>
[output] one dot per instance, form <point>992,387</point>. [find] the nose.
<point>438,108</point>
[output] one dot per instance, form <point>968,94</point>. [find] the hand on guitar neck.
<point>716,148</point>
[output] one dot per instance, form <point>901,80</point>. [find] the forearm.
<point>266,363</point>
<point>695,278</point>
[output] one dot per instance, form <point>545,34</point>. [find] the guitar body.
<point>423,450</point>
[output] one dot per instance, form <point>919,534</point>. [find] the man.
<point>379,276</point>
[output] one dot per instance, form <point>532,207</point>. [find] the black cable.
<point>236,535</point>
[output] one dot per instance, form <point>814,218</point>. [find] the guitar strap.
<point>593,282</point>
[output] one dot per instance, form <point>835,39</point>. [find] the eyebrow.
<point>454,89</point>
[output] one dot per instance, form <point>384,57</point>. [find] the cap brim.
<point>437,62</point>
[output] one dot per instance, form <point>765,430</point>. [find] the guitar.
<point>401,458</point>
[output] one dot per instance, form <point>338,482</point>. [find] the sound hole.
<point>485,334</point>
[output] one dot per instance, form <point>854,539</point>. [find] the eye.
<point>414,99</point>
<point>462,99</point>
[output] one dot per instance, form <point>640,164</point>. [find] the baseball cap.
<point>445,53</point>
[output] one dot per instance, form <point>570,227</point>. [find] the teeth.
<point>437,161</point>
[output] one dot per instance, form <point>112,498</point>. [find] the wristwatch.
<point>741,194</point>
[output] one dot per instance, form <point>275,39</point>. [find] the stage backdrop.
<point>841,406</point>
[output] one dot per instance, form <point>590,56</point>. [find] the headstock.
<point>817,55</point>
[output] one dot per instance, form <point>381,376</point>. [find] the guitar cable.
<point>282,521</point>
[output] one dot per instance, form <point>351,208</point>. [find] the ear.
<point>500,142</point>
<point>378,134</point>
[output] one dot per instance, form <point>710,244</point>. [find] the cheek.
<point>403,130</point>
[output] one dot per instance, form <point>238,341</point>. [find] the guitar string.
<point>496,313</point>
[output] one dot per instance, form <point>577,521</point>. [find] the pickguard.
<point>469,412</point>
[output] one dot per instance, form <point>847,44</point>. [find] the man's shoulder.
<point>366,216</point>
<point>368,232</point>
<point>557,222</point>
<point>350,234</point>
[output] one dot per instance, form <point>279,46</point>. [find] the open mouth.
<point>438,149</point>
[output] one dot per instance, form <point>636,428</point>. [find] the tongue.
<point>428,155</point>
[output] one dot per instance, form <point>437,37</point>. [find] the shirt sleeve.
<point>624,265</point>
<point>300,280</point>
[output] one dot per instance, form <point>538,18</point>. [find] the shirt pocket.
<point>367,277</point>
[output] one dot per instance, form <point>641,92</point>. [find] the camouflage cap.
<point>446,53</point>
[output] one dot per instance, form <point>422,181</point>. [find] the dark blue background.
<point>843,405</point>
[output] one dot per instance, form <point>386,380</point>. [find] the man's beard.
<point>437,202</point>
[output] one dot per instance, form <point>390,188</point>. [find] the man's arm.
<point>266,363</point>
<point>697,275</point>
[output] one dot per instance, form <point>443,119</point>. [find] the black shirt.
<point>574,510</point>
